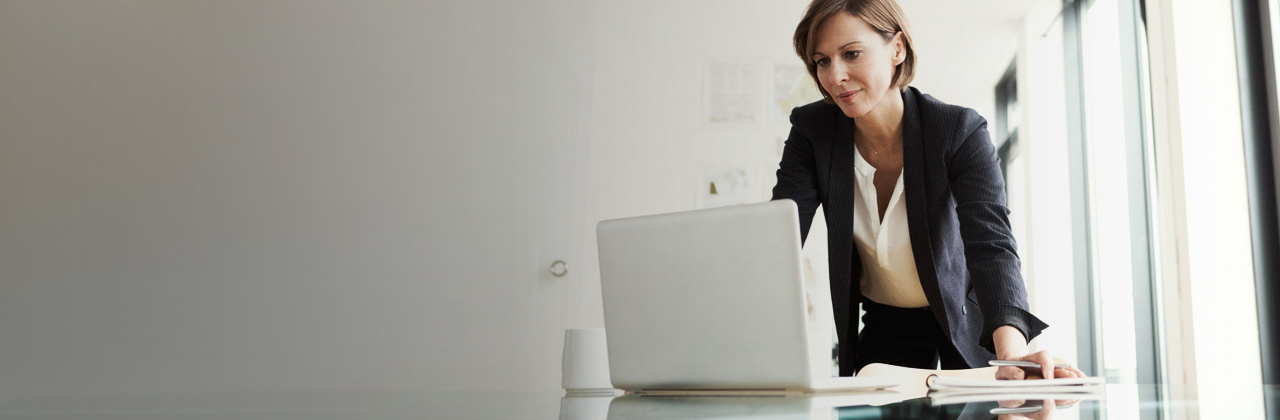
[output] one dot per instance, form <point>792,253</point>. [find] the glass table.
<point>1118,402</point>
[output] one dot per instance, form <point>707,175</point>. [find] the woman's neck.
<point>882,126</point>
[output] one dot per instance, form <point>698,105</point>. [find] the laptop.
<point>710,300</point>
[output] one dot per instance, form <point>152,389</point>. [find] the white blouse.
<point>888,268</point>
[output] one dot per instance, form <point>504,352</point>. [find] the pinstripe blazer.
<point>956,215</point>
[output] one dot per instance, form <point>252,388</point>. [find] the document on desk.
<point>951,390</point>
<point>945,398</point>
<point>952,385</point>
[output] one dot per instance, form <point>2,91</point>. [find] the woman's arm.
<point>797,175</point>
<point>1009,342</point>
<point>977,186</point>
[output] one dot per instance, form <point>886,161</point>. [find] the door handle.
<point>559,268</point>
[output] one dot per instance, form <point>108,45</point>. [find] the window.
<point>1257,37</point>
<point>1008,118</point>
<point>1113,155</point>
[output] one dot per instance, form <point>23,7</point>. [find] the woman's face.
<point>855,64</point>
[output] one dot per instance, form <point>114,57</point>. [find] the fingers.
<point>1045,360</point>
<point>1062,372</point>
<point>1068,372</point>
<point>1010,373</point>
<point>1011,403</point>
<point>1051,367</point>
<point>1046,413</point>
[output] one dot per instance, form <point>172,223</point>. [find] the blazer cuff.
<point>1024,321</point>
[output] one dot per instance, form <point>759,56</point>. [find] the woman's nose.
<point>837,75</point>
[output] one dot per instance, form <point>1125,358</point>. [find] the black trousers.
<point>904,337</point>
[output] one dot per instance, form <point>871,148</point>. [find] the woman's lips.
<point>848,96</point>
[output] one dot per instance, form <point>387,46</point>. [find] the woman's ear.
<point>899,49</point>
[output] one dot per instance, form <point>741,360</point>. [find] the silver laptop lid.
<point>705,299</point>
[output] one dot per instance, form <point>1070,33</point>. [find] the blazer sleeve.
<point>989,249</point>
<point>797,175</point>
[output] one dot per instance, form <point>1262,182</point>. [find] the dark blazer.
<point>956,215</point>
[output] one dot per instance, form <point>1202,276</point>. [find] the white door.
<point>518,99</point>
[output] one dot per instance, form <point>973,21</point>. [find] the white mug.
<point>576,406</point>
<point>585,365</point>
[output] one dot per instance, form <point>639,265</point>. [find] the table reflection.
<point>866,405</point>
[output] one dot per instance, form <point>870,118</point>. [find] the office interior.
<point>326,196</point>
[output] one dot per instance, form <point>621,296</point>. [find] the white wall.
<point>964,48</point>
<point>288,195</point>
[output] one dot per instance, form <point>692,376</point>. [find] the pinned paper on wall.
<point>792,87</point>
<point>733,91</point>
<point>719,187</point>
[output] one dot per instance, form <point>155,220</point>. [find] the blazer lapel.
<point>841,186</point>
<point>914,181</point>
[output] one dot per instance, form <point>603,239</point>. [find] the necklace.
<point>882,149</point>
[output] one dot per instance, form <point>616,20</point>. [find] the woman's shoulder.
<point>933,112</point>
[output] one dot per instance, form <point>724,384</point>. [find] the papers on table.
<point>950,390</point>
<point>970,385</point>
<point>950,398</point>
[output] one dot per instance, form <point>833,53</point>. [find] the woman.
<point>914,201</point>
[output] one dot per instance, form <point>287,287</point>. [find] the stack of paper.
<point>948,390</point>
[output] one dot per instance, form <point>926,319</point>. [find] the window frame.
<point>1260,119</point>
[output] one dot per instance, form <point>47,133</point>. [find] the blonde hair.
<point>883,15</point>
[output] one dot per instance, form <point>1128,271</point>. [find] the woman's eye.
<point>849,55</point>
<point>822,62</point>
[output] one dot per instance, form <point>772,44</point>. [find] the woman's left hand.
<point>1011,345</point>
<point>1053,368</point>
